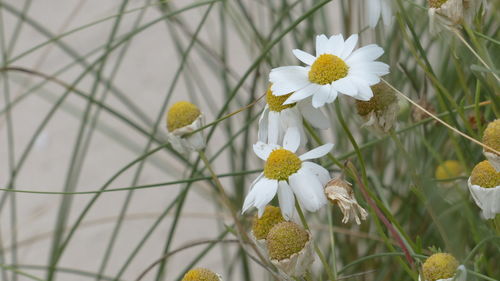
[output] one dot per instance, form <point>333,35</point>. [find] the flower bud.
<point>184,118</point>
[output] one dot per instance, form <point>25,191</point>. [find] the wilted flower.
<point>442,267</point>
<point>290,248</point>
<point>183,118</point>
<point>335,69</point>
<point>448,13</point>
<point>287,174</point>
<point>491,137</point>
<point>278,117</point>
<point>340,192</point>
<point>381,110</point>
<point>201,274</point>
<point>484,186</point>
<point>376,9</point>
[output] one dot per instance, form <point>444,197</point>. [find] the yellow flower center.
<point>286,239</point>
<point>436,3</point>
<point>449,169</point>
<point>200,274</point>
<point>485,175</point>
<point>327,68</point>
<point>181,114</point>
<point>276,102</point>
<point>491,136</point>
<point>383,97</point>
<point>271,217</point>
<point>439,266</point>
<point>281,164</point>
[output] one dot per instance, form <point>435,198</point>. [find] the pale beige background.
<point>144,76</point>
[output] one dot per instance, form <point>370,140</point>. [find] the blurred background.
<point>86,96</point>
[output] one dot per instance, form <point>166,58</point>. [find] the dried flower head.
<point>381,110</point>
<point>271,217</point>
<point>340,192</point>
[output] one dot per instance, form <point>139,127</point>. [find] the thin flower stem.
<point>440,120</point>
<point>329,272</point>
<point>475,54</point>
<point>225,200</point>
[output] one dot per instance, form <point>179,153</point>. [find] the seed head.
<point>439,266</point>
<point>286,239</point>
<point>485,175</point>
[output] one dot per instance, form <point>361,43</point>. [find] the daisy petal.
<point>377,67</point>
<point>250,198</point>
<point>303,93</point>
<point>308,189</point>
<point>265,190</point>
<point>274,127</point>
<point>304,57</point>
<point>322,173</point>
<point>287,79</point>
<point>319,99</point>
<point>349,45</point>
<point>321,45</point>
<point>373,10</point>
<point>313,115</point>
<point>332,96</point>
<point>386,13</point>
<point>262,149</point>
<point>286,199</point>
<point>345,86</point>
<point>365,93</point>
<point>263,125</point>
<point>291,141</point>
<point>366,53</point>
<point>318,152</point>
<point>336,44</point>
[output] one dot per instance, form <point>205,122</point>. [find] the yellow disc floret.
<point>491,136</point>
<point>181,114</point>
<point>200,274</point>
<point>281,164</point>
<point>327,68</point>
<point>485,175</point>
<point>436,3</point>
<point>271,217</point>
<point>276,102</point>
<point>383,97</point>
<point>439,266</point>
<point>286,239</point>
<point>449,169</point>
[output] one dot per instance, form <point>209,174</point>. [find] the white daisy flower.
<point>287,174</point>
<point>484,187</point>
<point>376,9</point>
<point>336,68</point>
<point>277,118</point>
